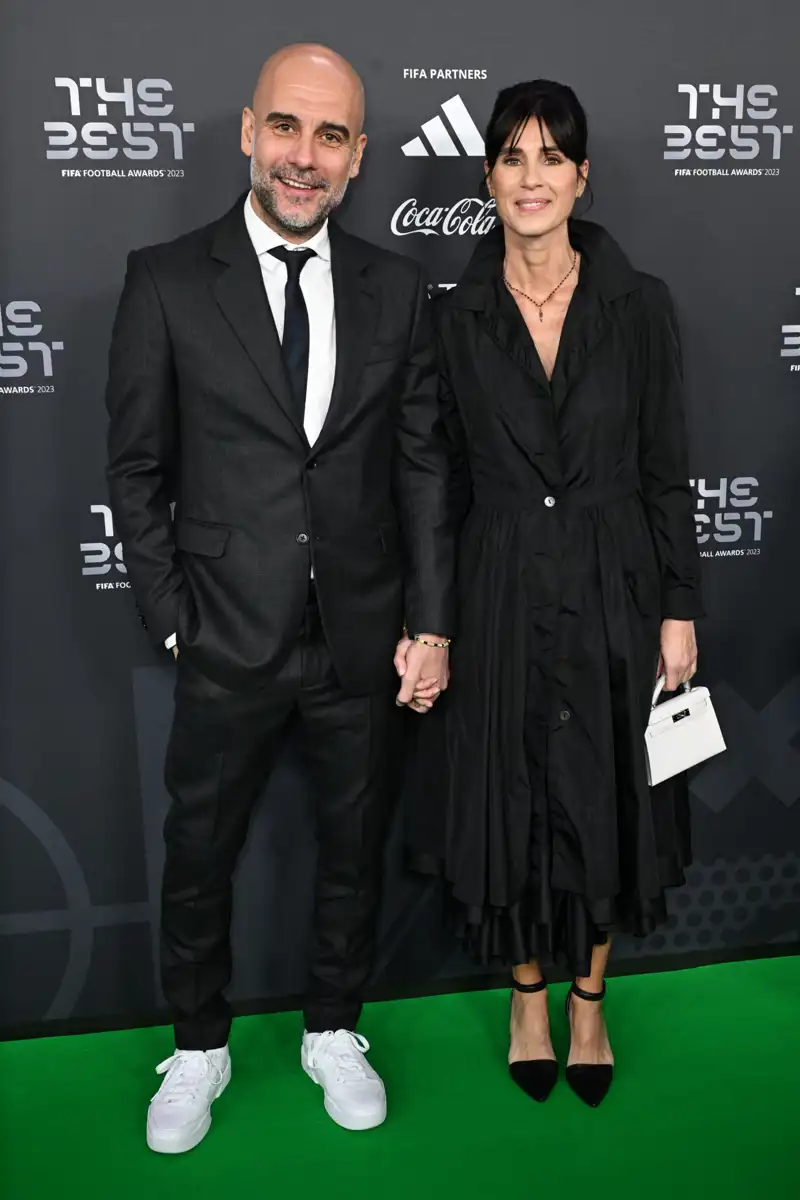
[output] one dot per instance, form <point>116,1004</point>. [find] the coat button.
<point>564,714</point>
<point>312,464</point>
<point>302,539</point>
<point>550,501</point>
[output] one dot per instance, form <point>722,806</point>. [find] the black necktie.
<point>295,325</point>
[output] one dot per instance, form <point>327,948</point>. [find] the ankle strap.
<point>582,995</point>
<point>529,987</point>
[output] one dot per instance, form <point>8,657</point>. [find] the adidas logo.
<point>438,134</point>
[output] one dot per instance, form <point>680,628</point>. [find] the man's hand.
<point>175,651</point>
<point>678,658</point>
<point>424,671</point>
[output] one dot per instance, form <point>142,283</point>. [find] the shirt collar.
<point>265,239</point>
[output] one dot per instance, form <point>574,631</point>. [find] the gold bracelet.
<point>436,645</point>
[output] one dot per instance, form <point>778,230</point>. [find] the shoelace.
<point>185,1071</point>
<point>344,1047</point>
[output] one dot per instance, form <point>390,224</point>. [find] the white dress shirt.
<point>316,284</point>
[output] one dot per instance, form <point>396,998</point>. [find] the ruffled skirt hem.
<point>560,931</point>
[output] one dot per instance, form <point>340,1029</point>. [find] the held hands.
<point>678,657</point>
<point>424,671</point>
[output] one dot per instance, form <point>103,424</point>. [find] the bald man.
<point>274,377</point>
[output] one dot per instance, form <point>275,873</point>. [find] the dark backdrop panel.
<point>85,702</point>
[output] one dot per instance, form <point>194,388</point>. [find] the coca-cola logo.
<point>469,215</point>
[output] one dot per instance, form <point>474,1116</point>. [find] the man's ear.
<point>248,130</point>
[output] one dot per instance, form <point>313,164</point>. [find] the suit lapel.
<point>356,316</point>
<point>239,292</point>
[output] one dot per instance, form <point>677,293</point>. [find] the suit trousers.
<point>222,747</point>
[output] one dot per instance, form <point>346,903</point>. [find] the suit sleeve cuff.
<point>171,641</point>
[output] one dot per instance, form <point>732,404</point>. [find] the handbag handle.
<point>662,679</point>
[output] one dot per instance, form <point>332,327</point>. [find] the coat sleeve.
<point>459,474</point>
<point>422,483</point>
<point>142,447</point>
<point>664,459</point>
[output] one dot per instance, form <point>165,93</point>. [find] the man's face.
<point>304,139</point>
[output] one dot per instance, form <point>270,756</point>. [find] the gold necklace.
<point>540,305</point>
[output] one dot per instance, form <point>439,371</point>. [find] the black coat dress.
<point>577,540</point>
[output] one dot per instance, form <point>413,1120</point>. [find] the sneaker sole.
<point>187,1139</point>
<point>343,1119</point>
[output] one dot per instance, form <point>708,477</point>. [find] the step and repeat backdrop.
<point>121,129</point>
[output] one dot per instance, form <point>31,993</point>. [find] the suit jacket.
<point>201,415</point>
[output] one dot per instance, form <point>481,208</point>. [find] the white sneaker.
<point>179,1116</point>
<point>354,1094</point>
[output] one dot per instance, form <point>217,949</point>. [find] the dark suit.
<point>202,415</point>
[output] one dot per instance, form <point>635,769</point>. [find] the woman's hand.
<point>678,657</point>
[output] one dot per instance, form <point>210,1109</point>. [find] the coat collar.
<point>609,269</point>
<point>605,276</point>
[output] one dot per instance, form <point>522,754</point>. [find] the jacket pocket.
<point>197,538</point>
<point>645,595</point>
<point>387,351</point>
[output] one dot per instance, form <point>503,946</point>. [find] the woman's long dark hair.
<point>552,104</point>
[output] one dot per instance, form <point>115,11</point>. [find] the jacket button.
<point>312,464</point>
<point>550,501</point>
<point>302,539</point>
<point>564,714</point>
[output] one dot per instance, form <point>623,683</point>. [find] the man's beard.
<point>263,184</point>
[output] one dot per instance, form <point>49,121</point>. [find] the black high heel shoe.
<point>589,1081</point>
<point>536,1076</point>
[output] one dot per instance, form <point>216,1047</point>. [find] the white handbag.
<point>681,732</point>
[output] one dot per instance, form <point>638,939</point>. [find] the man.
<point>275,378</point>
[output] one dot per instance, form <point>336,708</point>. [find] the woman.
<point>579,583</point>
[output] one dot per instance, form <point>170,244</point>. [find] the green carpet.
<point>706,1103</point>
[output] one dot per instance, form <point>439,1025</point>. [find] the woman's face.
<point>534,185</point>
